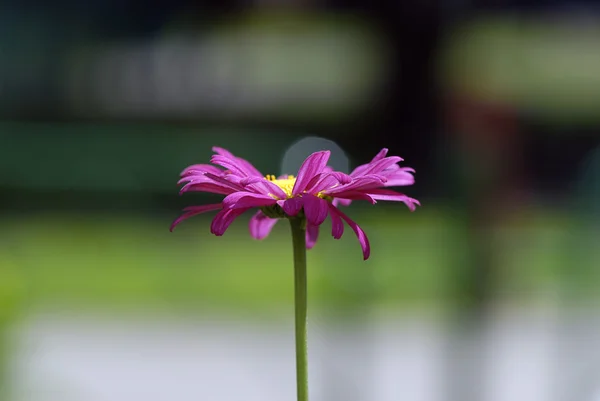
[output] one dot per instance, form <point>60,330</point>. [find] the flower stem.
<point>299,243</point>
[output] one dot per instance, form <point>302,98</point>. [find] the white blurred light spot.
<point>299,151</point>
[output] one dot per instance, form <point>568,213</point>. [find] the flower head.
<point>313,194</point>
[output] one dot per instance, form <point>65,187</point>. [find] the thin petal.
<point>230,164</point>
<point>223,220</point>
<point>194,178</point>
<point>328,181</point>
<point>360,234</point>
<point>400,180</point>
<point>240,200</point>
<point>356,195</point>
<point>292,206</point>
<point>313,165</point>
<point>358,184</point>
<point>223,152</point>
<point>382,153</point>
<point>212,187</point>
<point>199,177</point>
<point>312,234</point>
<point>201,169</point>
<point>343,202</point>
<point>398,176</point>
<point>193,211</point>
<point>261,186</point>
<point>248,168</point>
<point>225,182</point>
<point>250,180</point>
<point>361,169</point>
<point>314,181</point>
<point>389,195</point>
<point>260,225</point>
<point>315,209</point>
<point>380,165</point>
<point>337,225</point>
<point>266,187</point>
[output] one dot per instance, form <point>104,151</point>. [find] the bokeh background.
<point>488,292</point>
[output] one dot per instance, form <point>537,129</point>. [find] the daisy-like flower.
<point>313,194</point>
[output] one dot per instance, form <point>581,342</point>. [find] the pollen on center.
<point>286,184</point>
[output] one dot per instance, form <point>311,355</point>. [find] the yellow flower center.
<point>286,184</point>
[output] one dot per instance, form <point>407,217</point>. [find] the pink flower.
<point>313,194</point>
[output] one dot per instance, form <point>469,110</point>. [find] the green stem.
<point>299,243</point>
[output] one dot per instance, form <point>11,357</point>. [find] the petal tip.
<point>175,223</point>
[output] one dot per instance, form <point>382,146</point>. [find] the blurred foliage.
<point>125,157</point>
<point>546,66</point>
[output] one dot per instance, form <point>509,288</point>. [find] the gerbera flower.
<point>313,194</point>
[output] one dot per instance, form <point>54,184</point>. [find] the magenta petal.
<point>233,165</point>
<point>243,164</point>
<point>225,182</point>
<point>260,225</point>
<point>343,202</point>
<point>223,220</point>
<point>361,169</point>
<point>197,178</point>
<point>327,181</point>
<point>358,184</point>
<point>400,180</point>
<point>250,180</point>
<point>315,209</point>
<point>292,206</point>
<point>319,181</point>
<point>250,169</point>
<point>382,153</point>
<point>267,187</point>
<point>239,200</point>
<point>360,234</point>
<point>201,169</point>
<point>261,186</point>
<point>193,211</point>
<point>194,178</point>
<point>389,195</point>
<point>312,234</point>
<point>399,176</point>
<point>313,165</point>
<point>314,180</point>
<point>376,167</point>
<point>223,152</point>
<point>342,177</point>
<point>380,165</point>
<point>337,225</point>
<point>356,195</point>
<point>212,187</point>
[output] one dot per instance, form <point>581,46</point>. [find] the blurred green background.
<point>91,214</point>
